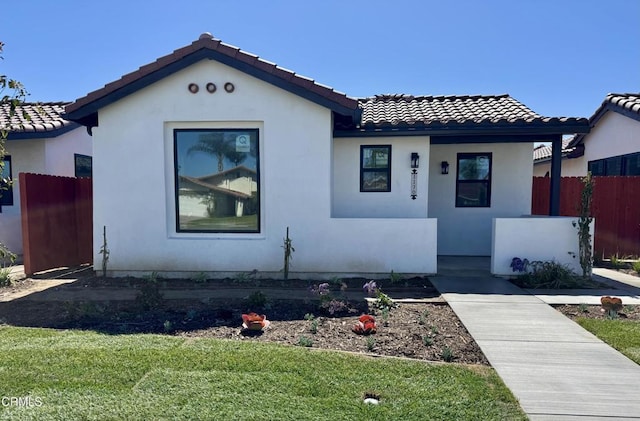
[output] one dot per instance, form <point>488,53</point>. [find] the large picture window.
<point>473,180</point>
<point>6,191</point>
<point>375,168</point>
<point>217,180</point>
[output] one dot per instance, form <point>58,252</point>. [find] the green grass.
<point>91,376</point>
<point>623,335</point>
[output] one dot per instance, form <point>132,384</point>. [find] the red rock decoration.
<point>611,303</point>
<point>366,325</point>
<point>253,321</point>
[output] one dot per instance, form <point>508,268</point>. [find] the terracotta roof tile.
<point>383,111</point>
<point>81,108</point>
<point>543,152</point>
<point>44,117</point>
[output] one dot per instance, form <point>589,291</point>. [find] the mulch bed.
<point>628,312</point>
<point>427,330</point>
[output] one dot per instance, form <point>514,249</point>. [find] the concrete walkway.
<point>556,369</point>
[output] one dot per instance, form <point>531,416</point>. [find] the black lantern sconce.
<point>415,160</point>
<point>444,167</point>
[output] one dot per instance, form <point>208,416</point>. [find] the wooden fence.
<point>57,221</point>
<point>616,208</point>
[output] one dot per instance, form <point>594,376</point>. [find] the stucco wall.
<point>535,239</point>
<point>53,156</point>
<point>350,202</point>
<point>134,184</point>
<point>467,231</point>
<point>613,135</point>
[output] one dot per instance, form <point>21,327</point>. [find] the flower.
<point>370,287</point>
<point>253,321</point>
<point>322,289</point>
<point>366,325</point>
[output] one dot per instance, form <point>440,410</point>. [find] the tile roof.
<point>626,104</point>
<point>404,111</point>
<point>630,102</point>
<point>209,47</point>
<point>45,117</point>
<point>543,152</point>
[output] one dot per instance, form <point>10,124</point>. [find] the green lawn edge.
<point>67,374</point>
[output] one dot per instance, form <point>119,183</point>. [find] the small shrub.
<point>335,306</point>
<point>612,314</point>
<point>385,316</point>
<point>257,300</point>
<point>371,344</point>
<point>5,277</point>
<point>384,301</point>
<point>434,330</point>
<point>583,308</point>
<point>447,354</point>
<point>395,278</point>
<point>168,326</point>
<point>199,278</point>
<point>305,341</point>
<point>150,297</point>
<point>549,275</point>
<point>309,317</point>
<point>636,266</point>
<point>313,328</point>
<point>427,340</point>
<point>616,262</point>
<point>423,318</point>
<point>371,288</point>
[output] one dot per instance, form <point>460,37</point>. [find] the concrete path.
<point>557,370</point>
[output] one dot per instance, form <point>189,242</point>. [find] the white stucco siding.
<point>349,202</point>
<point>60,151</point>
<point>613,135</point>
<point>53,156</point>
<point>467,231</point>
<point>134,148</point>
<point>535,239</point>
<point>26,156</point>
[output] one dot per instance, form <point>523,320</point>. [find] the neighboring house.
<point>612,147</point>
<point>203,158</point>
<point>45,144</point>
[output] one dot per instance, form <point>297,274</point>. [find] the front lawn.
<point>54,374</point>
<point>623,335</point>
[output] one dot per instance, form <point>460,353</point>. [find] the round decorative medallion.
<point>229,87</point>
<point>211,87</point>
<point>193,88</point>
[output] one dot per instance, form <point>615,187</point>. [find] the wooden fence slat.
<point>616,208</point>
<point>56,221</point>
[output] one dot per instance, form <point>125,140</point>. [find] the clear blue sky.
<point>559,57</point>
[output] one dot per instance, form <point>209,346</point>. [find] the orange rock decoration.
<point>366,325</point>
<point>611,303</point>
<point>253,321</point>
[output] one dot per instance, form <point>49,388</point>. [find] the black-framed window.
<point>217,180</point>
<point>473,180</point>
<point>375,168</point>
<point>6,191</point>
<point>628,164</point>
<point>83,165</point>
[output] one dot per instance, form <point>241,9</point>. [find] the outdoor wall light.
<point>415,160</point>
<point>444,167</point>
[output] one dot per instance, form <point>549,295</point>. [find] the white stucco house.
<point>203,158</point>
<point>612,147</point>
<point>44,144</point>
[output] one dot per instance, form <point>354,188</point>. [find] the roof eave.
<point>79,113</point>
<point>555,128</point>
<point>42,134</point>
